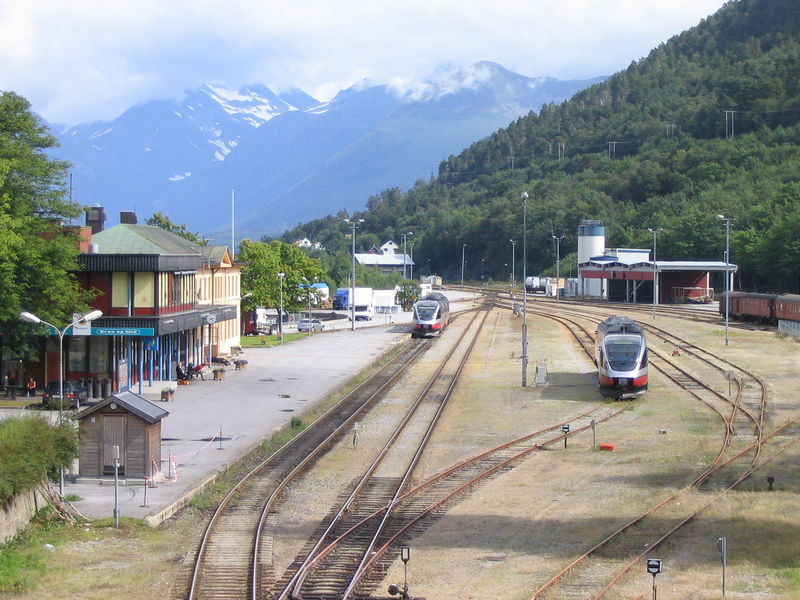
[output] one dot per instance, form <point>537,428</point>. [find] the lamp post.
<point>463,250</point>
<point>513,275</point>
<point>655,233</point>
<point>31,318</point>
<point>354,222</point>
<point>405,239</point>
<point>411,266</point>
<point>524,198</point>
<point>280,316</point>
<point>727,268</point>
<point>557,239</point>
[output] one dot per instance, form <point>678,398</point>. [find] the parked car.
<point>309,325</point>
<point>74,395</point>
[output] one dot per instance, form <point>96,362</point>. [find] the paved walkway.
<point>247,406</point>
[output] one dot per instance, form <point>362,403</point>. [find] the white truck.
<point>364,304</point>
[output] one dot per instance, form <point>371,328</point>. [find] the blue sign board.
<point>132,331</point>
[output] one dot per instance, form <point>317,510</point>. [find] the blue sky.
<point>88,60</point>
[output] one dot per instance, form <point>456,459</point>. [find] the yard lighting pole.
<point>404,236</point>
<point>655,233</point>
<point>411,266</point>
<point>524,198</point>
<point>463,250</point>
<point>557,239</point>
<point>308,291</point>
<point>353,222</point>
<point>280,316</point>
<point>513,274</point>
<point>31,318</point>
<point>727,267</point>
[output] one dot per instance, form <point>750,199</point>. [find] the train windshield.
<point>623,352</point>
<point>426,310</point>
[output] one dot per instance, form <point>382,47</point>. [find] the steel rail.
<point>315,556</point>
<point>201,556</point>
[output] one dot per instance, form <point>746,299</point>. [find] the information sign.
<point>130,331</point>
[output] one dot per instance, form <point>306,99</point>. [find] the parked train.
<point>765,308</point>
<point>621,356</point>
<point>431,315</point>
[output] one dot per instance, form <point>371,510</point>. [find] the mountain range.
<point>289,157</point>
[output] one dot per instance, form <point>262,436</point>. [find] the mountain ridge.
<point>289,156</point>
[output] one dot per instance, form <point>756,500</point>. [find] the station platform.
<point>212,423</point>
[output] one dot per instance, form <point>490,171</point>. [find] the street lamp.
<point>280,316</point>
<point>524,198</point>
<point>404,236</point>
<point>31,318</point>
<point>353,222</point>
<point>411,266</point>
<point>727,268</point>
<point>463,250</point>
<point>655,233</point>
<point>557,239</point>
<point>513,259</point>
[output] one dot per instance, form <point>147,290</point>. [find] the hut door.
<point>113,435</point>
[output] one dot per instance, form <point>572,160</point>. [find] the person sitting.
<point>181,373</point>
<point>30,387</point>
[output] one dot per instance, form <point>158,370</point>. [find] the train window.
<point>427,311</point>
<point>622,354</point>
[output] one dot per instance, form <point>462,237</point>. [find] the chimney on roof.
<point>127,217</point>
<point>96,218</point>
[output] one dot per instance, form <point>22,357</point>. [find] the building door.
<point>113,435</point>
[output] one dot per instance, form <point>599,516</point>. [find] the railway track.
<point>223,566</point>
<point>344,552</point>
<point>613,558</point>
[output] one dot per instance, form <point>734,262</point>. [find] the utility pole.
<point>557,239</point>
<point>524,198</point>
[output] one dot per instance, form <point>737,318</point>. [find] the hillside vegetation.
<point>707,124</point>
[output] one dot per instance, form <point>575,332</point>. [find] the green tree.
<point>261,284</point>
<point>38,257</point>
<point>408,294</point>
<point>160,220</point>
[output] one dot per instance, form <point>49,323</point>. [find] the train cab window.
<point>426,311</point>
<point>622,354</point>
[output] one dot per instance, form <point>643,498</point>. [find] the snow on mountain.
<point>290,157</point>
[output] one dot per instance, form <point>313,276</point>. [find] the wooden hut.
<point>126,420</point>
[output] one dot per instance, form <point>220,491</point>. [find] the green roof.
<point>143,239</point>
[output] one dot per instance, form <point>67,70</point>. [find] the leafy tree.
<point>408,294</point>
<point>160,220</point>
<point>38,257</point>
<point>261,284</point>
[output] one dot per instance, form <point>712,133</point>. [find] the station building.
<point>632,275</point>
<point>164,300</point>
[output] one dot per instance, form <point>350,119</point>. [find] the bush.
<point>32,449</point>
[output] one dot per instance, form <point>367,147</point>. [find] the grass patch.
<point>73,498</point>
<point>254,341</point>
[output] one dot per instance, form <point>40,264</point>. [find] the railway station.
<point>633,275</point>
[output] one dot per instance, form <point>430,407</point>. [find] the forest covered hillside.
<point>706,124</point>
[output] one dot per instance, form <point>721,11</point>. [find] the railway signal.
<point>394,589</point>
<point>654,568</point>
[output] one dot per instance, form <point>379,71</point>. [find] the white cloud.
<point>91,59</point>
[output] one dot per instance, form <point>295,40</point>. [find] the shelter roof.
<point>133,403</point>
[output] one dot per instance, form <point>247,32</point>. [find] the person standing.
<point>30,387</point>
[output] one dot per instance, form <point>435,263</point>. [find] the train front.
<point>623,372</point>
<point>427,318</point>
